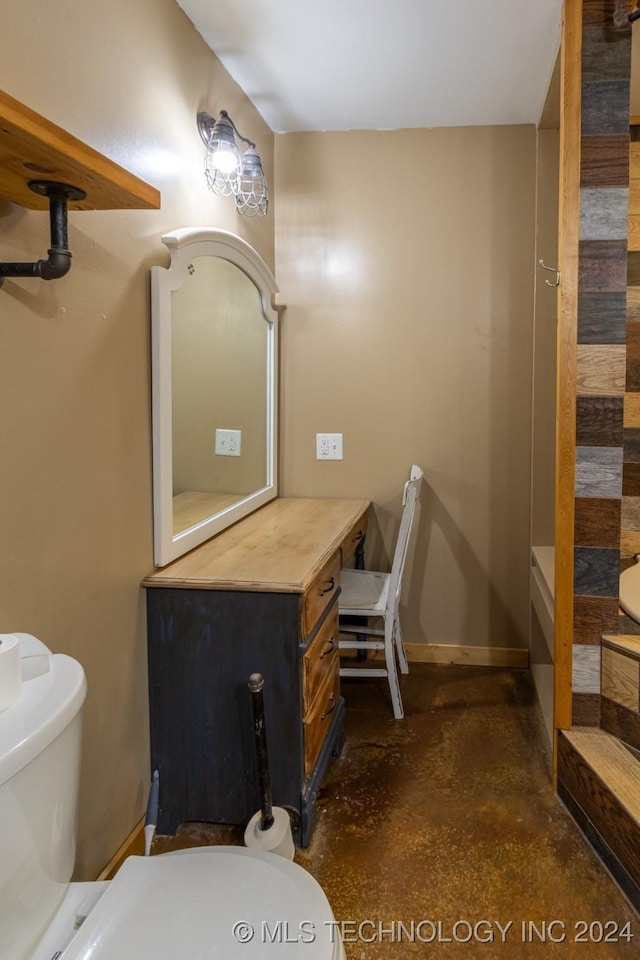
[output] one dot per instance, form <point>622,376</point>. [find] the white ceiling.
<point>385,64</point>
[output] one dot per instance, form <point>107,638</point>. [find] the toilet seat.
<point>630,591</point>
<point>208,903</point>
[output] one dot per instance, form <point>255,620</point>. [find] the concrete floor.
<point>446,822</point>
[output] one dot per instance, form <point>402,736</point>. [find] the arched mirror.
<point>214,359</point>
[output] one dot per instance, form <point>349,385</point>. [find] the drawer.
<point>318,720</point>
<point>321,593</point>
<point>353,538</point>
<point>321,658</point>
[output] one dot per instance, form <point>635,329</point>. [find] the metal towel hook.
<point>621,15</point>
<point>553,270</point>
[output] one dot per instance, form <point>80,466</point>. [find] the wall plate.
<point>228,443</point>
<point>329,446</point>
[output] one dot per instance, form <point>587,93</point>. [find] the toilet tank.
<point>39,771</point>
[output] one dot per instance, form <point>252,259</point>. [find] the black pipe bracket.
<point>58,261</point>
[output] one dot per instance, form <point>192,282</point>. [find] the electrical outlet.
<point>329,446</point>
<point>228,443</point>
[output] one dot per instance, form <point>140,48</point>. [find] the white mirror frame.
<point>183,246</point>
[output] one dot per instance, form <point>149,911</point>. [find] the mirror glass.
<point>214,388</point>
<point>219,372</point>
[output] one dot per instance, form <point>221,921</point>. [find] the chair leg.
<point>402,656</point>
<point>360,565</point>
<point>392,671</point>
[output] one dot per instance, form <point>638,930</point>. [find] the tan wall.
<point>75,484</point>
<point>405,260</point>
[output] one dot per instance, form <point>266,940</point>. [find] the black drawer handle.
<point>332,582</point>
<point>331,645</point>
<point>360,535</point>
<point>332,701</point>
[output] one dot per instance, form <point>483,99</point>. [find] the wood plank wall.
<point>620,673</point>
<point>601,351</point>
<point>605,660</point>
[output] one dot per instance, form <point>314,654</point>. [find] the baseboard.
<point>132,846</point>
<point>460,654</point>
<point>465,653</point>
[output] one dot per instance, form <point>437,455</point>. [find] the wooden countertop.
<point>280,548</point>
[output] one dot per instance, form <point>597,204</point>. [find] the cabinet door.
<point>203,646</point>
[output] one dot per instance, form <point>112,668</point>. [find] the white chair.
<point>370,594</point>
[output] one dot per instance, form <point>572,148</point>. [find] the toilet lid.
<point>630,591</point>
<point>208,904</point>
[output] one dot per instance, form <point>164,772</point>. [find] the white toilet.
<point>201,904</point>
<point>630,590</point>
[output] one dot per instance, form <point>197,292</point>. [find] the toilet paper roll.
<point>10,681</point>
<point>276,839</point>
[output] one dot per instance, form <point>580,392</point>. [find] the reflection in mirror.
<point>219,383</point>
<point>214,383</point>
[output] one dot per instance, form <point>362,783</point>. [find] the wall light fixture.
<point>226,171</point>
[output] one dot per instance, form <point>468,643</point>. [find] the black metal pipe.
<point>58,261</point>
<point>58,222</point>
<point>256,685</point>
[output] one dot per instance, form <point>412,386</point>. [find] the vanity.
<point>259,597</point>
<point>246,581</point>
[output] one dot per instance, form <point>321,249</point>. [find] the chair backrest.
<point>410,499</point>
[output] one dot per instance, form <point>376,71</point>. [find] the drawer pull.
<point>357,537</point>
<point>331,645</point>
<point>332,706</point>
<point>332,583</point>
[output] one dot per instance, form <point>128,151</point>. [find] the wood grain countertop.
<point>280,548</point>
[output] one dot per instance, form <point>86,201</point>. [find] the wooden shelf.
<point>33,148</point>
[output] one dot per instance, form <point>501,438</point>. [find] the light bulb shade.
<point>252,197</point>
<point>222,159</point>
<point>228,175</point>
